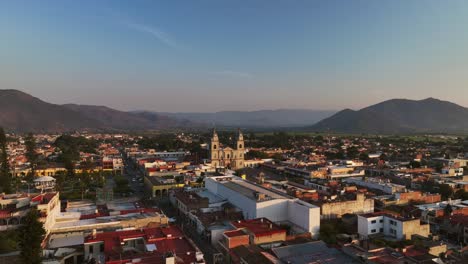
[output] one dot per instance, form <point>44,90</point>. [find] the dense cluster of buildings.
<point>314,203</point>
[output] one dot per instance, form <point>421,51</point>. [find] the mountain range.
<point>399,116</point>
<point>21,112</point>
<point>281,118</point>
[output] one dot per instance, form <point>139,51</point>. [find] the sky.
<point>214,55</point>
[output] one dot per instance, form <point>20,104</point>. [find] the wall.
<point>217,235</point>
<point>397,226</point>
<point>414,227</point>
<point>305,216</point>
<point>337,209</point>
<point>237,241</point>
<point>403,229</point>
<point>302,214</point>
<point>275,210</point>
<point>258,240</point>
<point>365,225</point>
<point>248,206</point>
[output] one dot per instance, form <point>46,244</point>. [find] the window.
<point>91,248</point>
<point>373,221</point>
<point>381,230</point>
<point>214,146</point>
<point>381,221</point>
<point>101,247</point>
<point>240,146</point>
<point>373,231</point>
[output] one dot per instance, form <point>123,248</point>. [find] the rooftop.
<point>235,233</point>
<point>161,242</point>
<point>394,216</point>
<point>66,240</point>
<point>250,190</point>
<point>312,252</point>
<point>259,226</point>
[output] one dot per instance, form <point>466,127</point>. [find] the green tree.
<point>31,234</point>
<point>5,176</point>
<point>179,179</point>
<point>445,191</point>
<point>415,164</point>
<point>277,157</point>
<point>383,157</point>
<point>87,167</point>
<point>8,241</point>
<point>352,153</point>
<point>364,156</point>
<point>31,153</point>
<point>448,210</point>
<point>461,194</point>
<point>254,154</point>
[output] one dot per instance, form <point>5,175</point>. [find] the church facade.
<point>227,157</point>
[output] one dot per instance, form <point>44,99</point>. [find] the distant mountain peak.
<point>395,116</point>
<point>431,99</point>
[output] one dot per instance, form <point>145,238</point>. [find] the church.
<point>227,157</point>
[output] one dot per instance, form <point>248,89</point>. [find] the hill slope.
<point>21,112</point>
<point>399,116</point>
<point>109,118</point>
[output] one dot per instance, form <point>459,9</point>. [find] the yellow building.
<point>227,157</point>
<point>158,186</point>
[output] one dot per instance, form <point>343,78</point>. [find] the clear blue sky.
<point>210,55</point>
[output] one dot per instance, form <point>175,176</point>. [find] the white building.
<point>377,184</point>
<point>453,172</point>
<point>256,201</point>
<point>391,226</point>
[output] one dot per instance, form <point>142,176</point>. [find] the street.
<point>135,179</point>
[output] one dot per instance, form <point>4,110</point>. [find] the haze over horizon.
<point>208,56</point>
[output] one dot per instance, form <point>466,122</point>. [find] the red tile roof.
<point>167,240</point>
<point>259,227</point>
<point>235,233</point>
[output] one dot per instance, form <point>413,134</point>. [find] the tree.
<point>448,210</point>
<point>364,156</point>
<point>383,157</point>
<point>31,153</point>
<point>461,194</point>
<point>277,157</point>
<point>179,179</point>
<point>445,191</point>
<point>254,154</point>
<point>200,179</point>
<point>352,153</point>
<point>415,164</point>
<point>8,241</point>
<point>87,167</point>
<point>5,176</point>
<point>31,234</point>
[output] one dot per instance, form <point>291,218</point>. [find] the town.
<point>233,196</point>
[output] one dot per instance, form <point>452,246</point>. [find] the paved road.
<point>135,179</point>
<point>189,230</point>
